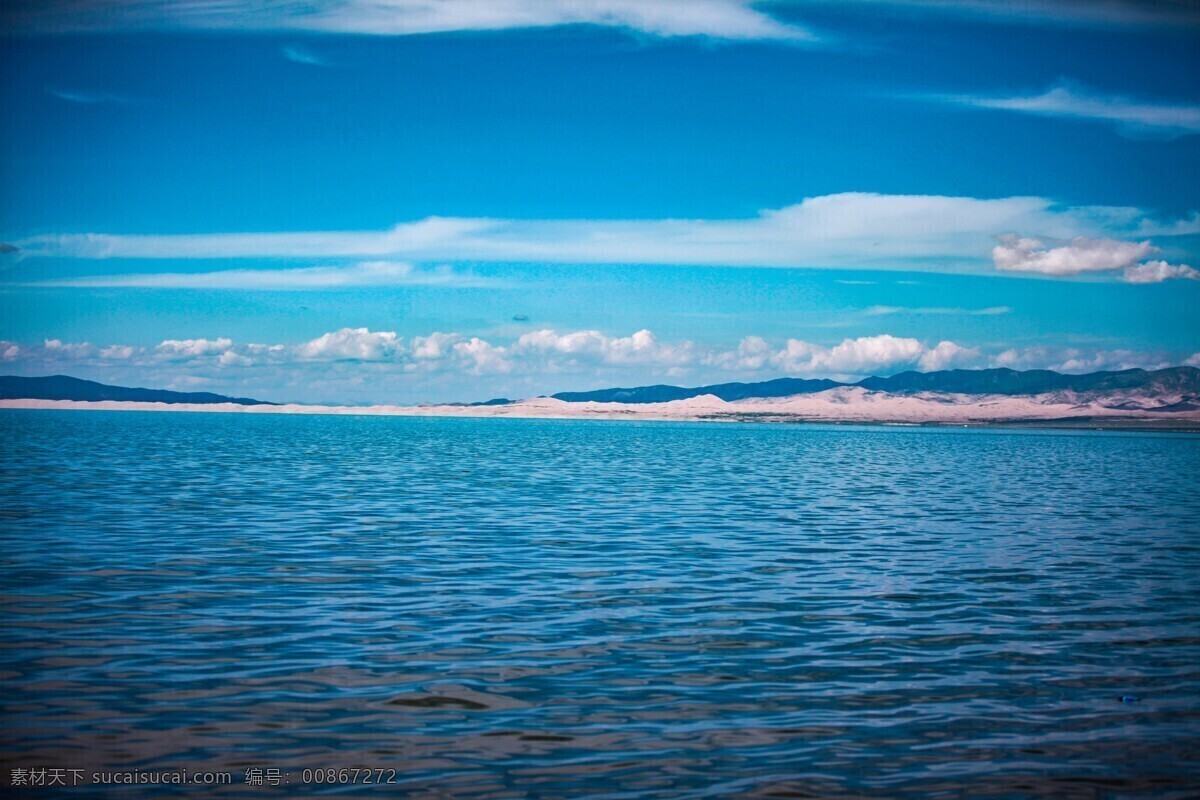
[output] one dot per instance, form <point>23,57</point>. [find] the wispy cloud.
<point>89,98</point>
<point>302,55</point>
<point>1131,117</point>
<point>719,19</point>
<point>367,273</point>
<point>861,230</point>
<point>1080,360</point>
<point>723,19</point>
<point>1100,13</point>
<point>883,311</point>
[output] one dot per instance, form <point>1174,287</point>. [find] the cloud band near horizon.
<point>548,352</point>
<point>734,20</point>
<point>1132,117</point>
<point>718,19</point>
<point>863,230</point>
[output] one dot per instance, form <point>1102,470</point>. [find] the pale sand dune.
<point>845,404</point>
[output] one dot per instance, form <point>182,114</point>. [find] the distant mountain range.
<point>1174,380</point>
<point>63,387</point>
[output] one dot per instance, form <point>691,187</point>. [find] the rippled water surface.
<point>553,609</point>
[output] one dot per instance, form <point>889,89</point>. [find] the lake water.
<point>559,609</point>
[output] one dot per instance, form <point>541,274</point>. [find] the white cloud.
<point>482,357</point>
<point>1079,360</point>
<point>434,346</point>
<point>117,352</point>
<point>265,350</point>
<point>1022,254</point>
<point>353,344</point>
<point>193,348</point>
<point>862,230</point>
<point>1157,272</point>
<point>724,19</point>
<point>59,349</point>
<point>365,273</point>
<point>452,350</point>
<point>860,356</point>
<point>1136,117</point>
<point>231,359</point>
<point>947,355</point>
<point>642,348</point>
<point>752,353</point>
<point>1193,360</point>
<point>56,350</point>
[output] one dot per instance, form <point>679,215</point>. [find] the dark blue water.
<point>551,609</point>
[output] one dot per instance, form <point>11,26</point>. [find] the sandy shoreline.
<point>844,405</point>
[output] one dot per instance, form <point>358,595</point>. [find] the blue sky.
<point>393,201</point>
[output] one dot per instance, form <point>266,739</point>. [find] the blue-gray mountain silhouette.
<point>1171,381</point>
<point>958,381</point>
<point>63,387</point>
